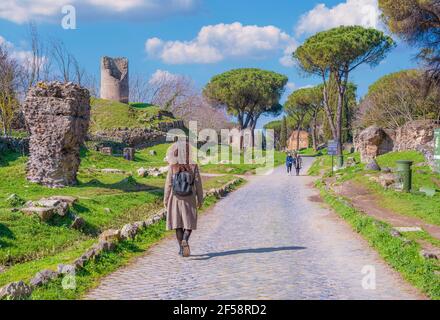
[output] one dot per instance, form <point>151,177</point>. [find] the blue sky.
<point>263,30</point>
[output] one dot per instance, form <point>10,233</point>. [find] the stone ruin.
<point>114,79</point>
<point>58,116</point>
<point>373,142</point>
<point>414,135</point>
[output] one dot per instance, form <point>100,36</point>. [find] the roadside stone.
<point>66,269</point>
<point>372,142</point>
<point>43,277</point>
<point>129,231</point>
<point>153,153</point>
<point>142,172</point>
<point>395,233</point>
<point>110,235</point>
<point>78,223</point>
<point>386,180</point>
<point>15,291</point>
<point>409,229</point>
<point>67,199</point>
<point>107,210</point>
<point>45,214</point>
<point>428,255</point>
<point>372,165</point>
<point>113,171</point>
<point>105,246</point>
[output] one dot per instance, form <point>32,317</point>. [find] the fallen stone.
<point>395,233</point>
<point>66,269</point>
<point>142,172</point>
<point>129,231</point>
<point>78,223</point>
<point>387,180</point>
<point>113,171</point>
<point>43,277</point>
<point>107,210</point>
<point>45,214</point>
<point>409,229</point>
<point>105,246</point>
<point>110,235</point>
<point>67,199</point>
<point>15,291</point>
<point>372,165</point>
<point>153,153</point>
<point>428,255</point>
<point>88,255</point>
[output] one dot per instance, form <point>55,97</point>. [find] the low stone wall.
<point>414,135</point>
<point>107,242</point>
<point>123,137</point>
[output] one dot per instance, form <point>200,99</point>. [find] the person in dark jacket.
<point>289,163</point>
<point>298,163</point>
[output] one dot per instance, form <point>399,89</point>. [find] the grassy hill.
<point>106,114</point>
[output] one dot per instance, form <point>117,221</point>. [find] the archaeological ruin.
<point>58,116</point>
<point>114,79</point>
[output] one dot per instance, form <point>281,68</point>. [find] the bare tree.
<point>9,84</point>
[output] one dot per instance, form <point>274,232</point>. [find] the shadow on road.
<point>208,256</point>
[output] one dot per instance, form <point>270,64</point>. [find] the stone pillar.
<point>129,154</point>
<point>114,79</point>
<point>58,116</point>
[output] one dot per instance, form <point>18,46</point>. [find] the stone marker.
<point>129,154</point>
<point>58,116</point>
<point>114,79</point>
<point>107,151</point>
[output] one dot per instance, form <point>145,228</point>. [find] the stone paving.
<point>267,240</point>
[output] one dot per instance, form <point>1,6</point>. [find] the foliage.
<point>418,22</point>
<point>247,94</point>
<point>337,52</point>
<point>398,98</point>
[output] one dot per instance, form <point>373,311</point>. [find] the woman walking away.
<point>289,163</point>
<point>183,195</point>
<point>298,163</point>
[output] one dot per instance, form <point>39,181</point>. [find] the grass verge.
<point>89,277</point>
<point>402,255</point>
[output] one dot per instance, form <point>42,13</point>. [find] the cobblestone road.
<point>265,241</point>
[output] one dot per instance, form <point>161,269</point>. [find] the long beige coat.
<point>182,211</point>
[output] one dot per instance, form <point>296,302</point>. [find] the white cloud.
<point>161,76</point>
<point>216,43</point>
<point>21,56</point>
<point>352,12</point>
<point>21,11</point>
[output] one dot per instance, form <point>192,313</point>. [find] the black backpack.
<point>183,182</point>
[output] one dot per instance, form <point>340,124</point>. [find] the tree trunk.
<point>314,142</point>
<point>328,110</point>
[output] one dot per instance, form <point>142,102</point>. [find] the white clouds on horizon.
<point>21,56</point>
<point>22,11</point>
<point>352,12</point>
<point>215,43</point>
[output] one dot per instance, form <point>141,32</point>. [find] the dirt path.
<point>365,201</point>
<point>267,240</point>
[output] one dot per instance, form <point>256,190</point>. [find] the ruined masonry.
<point>114,79</point>
<point>58,116</point>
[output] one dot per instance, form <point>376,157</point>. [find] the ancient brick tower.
<point>114,79</point>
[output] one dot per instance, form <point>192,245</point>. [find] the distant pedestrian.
<point>289,163</point>
<point>183,195</point>
<point>298,163</point>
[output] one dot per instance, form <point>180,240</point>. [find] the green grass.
<point>108,262</point>
<point>405,258</point>
<point>28,245</point>
<point>242,168</point>
<point>107,114</point>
